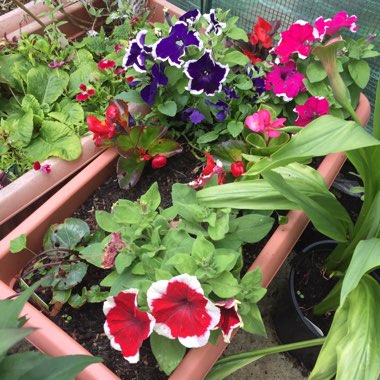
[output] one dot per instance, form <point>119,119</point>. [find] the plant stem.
<point>26,10</point>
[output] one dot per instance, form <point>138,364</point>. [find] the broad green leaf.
<point>251,228</point>
<point>183,263</point>
<point>225,259</point>
<point>8,64</point>
<point>202,250</point>
<point>95,295</point>
<point>106,221</point>
<point>61,296</point>
<point>322,136</point>
<point>67,234</point>
<point>168,352</point>
<point>66,276</point>
<point>71,113</point>
<point>132,96</point>
<point>166,147</point>
<point>315,72</point>
<point>21,128</point>
<point>86,73</point>
<point>235,57</point>
<point>93,254</point>
<point>152,198</point>
<point>221,227</point>
<point>235,127</point>
<point>18,244</point>
<point>54,139</point>
<point>325,212</point>
<point>252,321</point>
<point>129,170</point>
<point>366,257</point>
<point>126,212</point>
<point>237,34</point>
<point>225,285</point>
<point>36,366</point>
<point>360,72</point>
<point>123,261</point>
<point>9,337</point>
<point>78,300</point>
<point>168,108</point>
<point>45,84</point>
<point>208,137</point>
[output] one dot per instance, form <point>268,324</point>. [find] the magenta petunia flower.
<point>340,21</point>
<point>313,108</point>
<point>261,122</point>
<point>126,326</point>
<point>229,318</point>
<point>182,311</point>
<point>105,64</point>
<point>296,39</point>
<point>285,81</point>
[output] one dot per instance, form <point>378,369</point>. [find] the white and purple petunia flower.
<point>193,114</point>
<point>126,326</point>
<point>229,318</point>
<point>213,23</point>
<point>182,311</point>
<point>173,47</point>
<point>205,75</point>
<point>191,17</point>
<point>158,77</point>
<point>136,53</point>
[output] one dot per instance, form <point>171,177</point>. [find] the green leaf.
<point>78,300</point>
<point>8,65</point>
<point>93,254</point>
<point>365,258</point>
<point>106,221</point>
<point>235,57</point>
<point>168,108</point>
<point>202,250</point>
<point>237,34</point>
<point>183,263</point>
<point>129,170</point>
<point>9,337</point>
<point>123,261</point>
<point>152,198</point>
<point>132,96</point>
<point>67,234</point>
<point>221,227</point>
<point>45,84</point>
<point>252,321</point>
<point>61,296</point>
<point>168,352</point>
<point>235,127</point>
<point>36,366</point>
<point>164,146</point>
<point>55,139</point>
<point>225,285</point>
<point>95,295</point>
<point>71,113</point>
<point>86,73</point>
<point>360,72</point>
<point>18,244</point>
<point>315,72</point>
<point>127,212</point>
<point>21,128</point>
<point>208,137</point>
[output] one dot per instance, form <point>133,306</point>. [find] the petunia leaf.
<point>235,58</point>
<point>315,72</point>
<point>225,285</point>
<point>235,127</point>
<point>132,96</point>
<point>168,108</point>
<point>360,72</point>
<point>237,34</point>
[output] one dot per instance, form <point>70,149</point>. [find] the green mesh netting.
<point>288,11</point>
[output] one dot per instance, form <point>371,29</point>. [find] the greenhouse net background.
<point>288,11</point>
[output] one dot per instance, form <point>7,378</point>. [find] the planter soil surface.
<point>312,283</point>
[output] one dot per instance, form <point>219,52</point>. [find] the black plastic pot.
<point>290,323</point>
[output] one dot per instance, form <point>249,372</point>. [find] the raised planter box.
<point>51,339</point>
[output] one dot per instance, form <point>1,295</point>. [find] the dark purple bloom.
<point>191,17</point>
<point>205,75</point>
<point>193,114</point>
<point>172,48</point>
<point>214,24</point>
<point>230,93</point>
<point>136,53</point>
<point>131,120</point>
<point>221,106</point>
<point>259,84</point>
<point>158,77</point>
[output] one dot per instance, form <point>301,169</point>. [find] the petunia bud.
<point>237,168</point>
<point>159,161</point>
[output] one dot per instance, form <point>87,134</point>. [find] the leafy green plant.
<point>32,365</point>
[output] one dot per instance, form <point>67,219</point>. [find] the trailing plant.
<point>32,364</point>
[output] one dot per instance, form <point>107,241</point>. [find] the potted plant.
<point>89,178</point>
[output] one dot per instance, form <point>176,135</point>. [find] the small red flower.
<point>120,71</point>
<point>101,129</point>
<point>134,21</point>
<point>229,318</point>
<point>105,64</point>
<point>182,311</point>
<point>251,56</point>
<point>126,326</point>
<point>36,165</point>
<point>260,33</point>
<point>159,161</point>
<point>118,47</point>
<point>237,168</point>
<point>130,79</point>
<point>85,94</point>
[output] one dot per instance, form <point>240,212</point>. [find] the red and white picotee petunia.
<point>182,311</point>
<point>229,318</point>
<point>126,326</point>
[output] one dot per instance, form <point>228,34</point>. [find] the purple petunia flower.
<point>136,53</point>
<point>158,77</point>
<point>193,114</point>
<point>172,48</point>
<point>221,106</point>
<point>230,93</point>
<point>259,84</point>
<point>214,24</point>
<point>205,75</point>
<point>191,17</point>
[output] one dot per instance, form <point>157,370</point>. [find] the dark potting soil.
<point>312,283</point>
